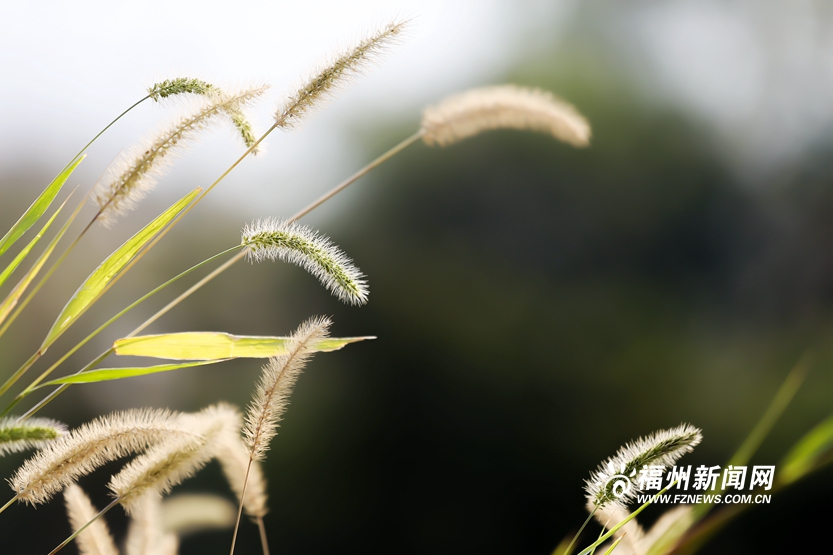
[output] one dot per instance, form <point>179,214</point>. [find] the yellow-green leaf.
<point>214,345</point>
<point>98,281</point>
<point>817,443</point>
<point>14,296</point>
<point>25,252</point>
<point>37,209</point>
<point>109,374</point>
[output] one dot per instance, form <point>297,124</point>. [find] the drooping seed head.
<point>168,463</point>
<point>33,433</point>
<point>179,85</point>
<point>336,74</point>
<point>148,533</point>
<point>276,382</point>
<point>86,448</point>
<point>503,107</point>
<point>96,538</point>
<point>234,459</point>
<point>274,239</point>
<point>135,172</point>
<point>615,481</point>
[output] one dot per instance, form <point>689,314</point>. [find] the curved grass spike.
<point>662,448</point>
<point>99,281</point>
<point>96,538</point>
<point>34,433</point>
<point>301,245</point>
<point>134,173</point>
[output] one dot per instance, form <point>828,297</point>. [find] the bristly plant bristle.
<point>96,538</point>
<point>133,174</point>
<point>32,433</point>
<point>615,480</point>
<point>292,242</point>
<point>180,85</point>
<point>503,107</point>
<point>276,383</point>
<point>335,74</point>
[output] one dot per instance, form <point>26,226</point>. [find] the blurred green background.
<point>536,306</point>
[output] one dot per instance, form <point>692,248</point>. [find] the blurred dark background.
<point>536,306</point>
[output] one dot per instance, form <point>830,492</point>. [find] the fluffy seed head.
<point>503,107</point>
<point>147,534</point>
<point>335,74</point>
<point>180,85</point>
<point>188,513</point>
<point>86,448</point>
<point>234,459</point>
<point>298,244</point>
<point>32,433</point>
<point>615,481</point>
<point>168,463</point>
<point>275,386</point>
<point>135,172</point>
<point>96,538</point>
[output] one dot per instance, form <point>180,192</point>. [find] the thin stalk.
<point>93,519</point>
<point>9,504</point>
<point>580,530</point>
<point>240,507</point>
<point>109,125</point>
<point>347,182</point>
<point>264,542</point>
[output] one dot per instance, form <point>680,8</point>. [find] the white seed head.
<point>134,173</point>
<point>275,386</point>
<point>234,459</point>
<point>503,107</point>
<point>86,448</point>
<point>335,74</point>
<point>189,513</point>
<point>168,463</point>
<point>96,538</point>
<point>292,242</point>
<point>147,533</point>
<point>33,433</point>
<point>615,481</point>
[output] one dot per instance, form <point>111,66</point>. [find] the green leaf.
<point>109,374</point>
<point>25,252</point>
<point>214,345</point>
<point>802,458</point>
<point>37,209</point>
<point>11,300</point>
<point>98,281</point>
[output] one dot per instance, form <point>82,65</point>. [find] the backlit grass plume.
<point>503,107</point>
<point>147,533</point>
<point>179,85</point>
<point>615,481</point>
<point>86,448</point>
<point>96,538</point>
<point>334,75</point>
<point>234,459</point>
<point>168,463</point>
<point>292,242</point>
<point>276,383</point>
<point>33,433</point>
<point>135,172</point>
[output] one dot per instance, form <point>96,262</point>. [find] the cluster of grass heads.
<point>168,447</point>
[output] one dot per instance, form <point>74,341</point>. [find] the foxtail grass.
<point>96,538</point>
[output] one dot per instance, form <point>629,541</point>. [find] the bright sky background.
<point>759,73</point>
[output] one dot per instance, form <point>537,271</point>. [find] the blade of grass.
<point>39,207</point>
<point>110,374</point>
<point>25,252</point>
<point>214,345</point>
<point>110,270</point>
<point>801,459</point>
<point>630,517</point>
<point>773,412</point>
